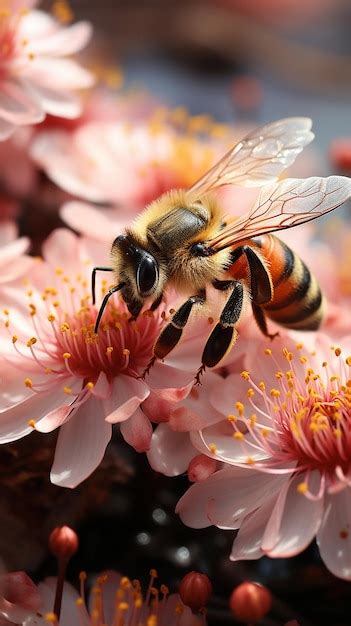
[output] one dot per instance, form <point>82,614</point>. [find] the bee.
<point>183,240</point>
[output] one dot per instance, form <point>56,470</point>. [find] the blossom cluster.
<point>266,438</point>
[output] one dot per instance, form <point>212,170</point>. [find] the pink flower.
<point>36,77</point>
<point>114,597</point>
<point>59,373</point>
<point>126,164</point>
<point>286,449</point>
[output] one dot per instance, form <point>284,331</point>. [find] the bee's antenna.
<point>104,302</point>
<point>93,276</point>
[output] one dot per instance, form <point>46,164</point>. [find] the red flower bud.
<point>195,590</point>
<point>250,602</point>
<point>340,155</point>
<point>63,542</point>
<point>201,467</point>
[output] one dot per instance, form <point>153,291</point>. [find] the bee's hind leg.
<point>171,334</point>
<point>224,334</point>
<point>261,321</point>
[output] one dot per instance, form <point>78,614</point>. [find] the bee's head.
<point>138,269</point>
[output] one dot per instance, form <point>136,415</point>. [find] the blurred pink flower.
<point>19,174</point>
<point>19,598</point>
<point>129,165</point>
<point>287,12</point>
<point>36,76</point>
<point>286,449</point>
<point>14,263</point>
<point>59,373</point>
<point>114,598</point>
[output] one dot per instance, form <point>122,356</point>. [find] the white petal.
<point>294,521</point>
<point>334,536</point>
<point>81,445</point>
<point>170,452</point>
<point>137,431</point>
<point>59,103</point>
<point>64,41</point>
<point>228,449</point>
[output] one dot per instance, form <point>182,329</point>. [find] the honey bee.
<point>183,240</point>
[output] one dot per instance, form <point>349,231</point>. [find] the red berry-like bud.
<point>250,602</point>
<point>195,590</point>
<point>63,542</point>
<point>340,154</point>
<point>201,467</point>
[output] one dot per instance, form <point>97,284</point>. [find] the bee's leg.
<point>261,288</point>
<point>171,334</point>
<point>224,333</point>
<point>156,303</point>
<point>261,321</point>
<point>93,277</point>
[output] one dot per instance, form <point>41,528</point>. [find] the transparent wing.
<point>260,157</point>
<point>286,204</point>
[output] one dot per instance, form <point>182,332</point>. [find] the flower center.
<point>64,342</point>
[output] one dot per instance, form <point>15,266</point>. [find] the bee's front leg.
<point>224,334</point>
<point>171,334</point>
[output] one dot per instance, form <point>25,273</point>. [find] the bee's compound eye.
<point>147,275</point>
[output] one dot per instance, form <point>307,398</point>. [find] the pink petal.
<point>16,268</point>
<point>6,129</point>
<point>334,536</point>
<point>294,521</point>
<point>102,387</point>
<point>228,449</point>
<point>64,42</point>
<point>19,104</point>
<point>54,419</point>
<point>81,445</point>
<point>247,544</point>
<point>61,249</point>
<point>230,390</point>
<point>68,74</point>
<point>89,221</point>
<point>170,452</point>
<point>137,431</point>
<point>162,375</point>
<point>126,395</point>
<point>227,497</point>
<point>196,411</point>
<point>14,420</point>
<point>69,612</point>
<point>14,249</point>
<point>59,103</point>
<point>8,232</point>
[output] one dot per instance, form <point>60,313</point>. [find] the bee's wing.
<point>260,157</point>
<point>285,204</point>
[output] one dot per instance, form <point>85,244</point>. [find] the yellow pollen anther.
<point>302,488</point>
<point>31,342</point>
<point>303,360</point>
<point>31,423</point>
<point>275,393</point>
<point>268,351</point>
<point>348,383</point>
<point>240,408</point>
<point>262,385</point>
<point>64,327</point>
<point>348,360</point>
<point>238,435</point>
<point>288,355</point>
<point>250,393</point>
<point>245,375</point>
<point>334,378</point>
<point>265,432</point>
<point>90,386</point>
<point>67,390</point>
<point>212,448</point>
<point>232,418</point>
<point>279,375</point>
<point>6,312</point>
<point>123,606</point>
<point>79,602</point>
<point>337,432</point>
<point>250,460</point>
<point>253,420</point>
<point>14,338</point>
<point>56,304</point>
<point>51,617</point>
<point>66,355</point>
<point>51,317</point>
<point>126,352</point>
<point>109,349</point>
<point>299,346</point>
<point>337,351</point>
<point>324,364</point>
<point>59,271</point>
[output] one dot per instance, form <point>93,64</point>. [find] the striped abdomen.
<point>297,299</point>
